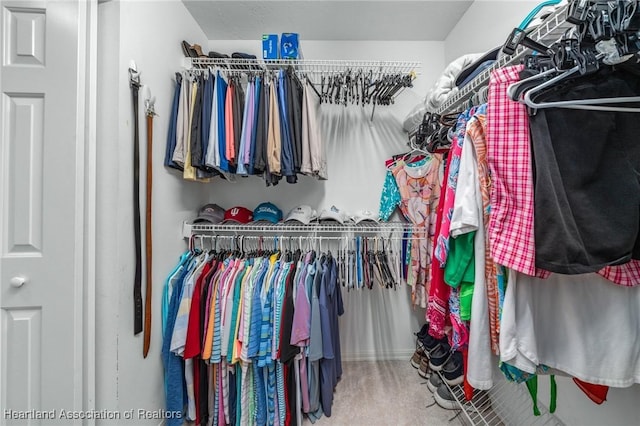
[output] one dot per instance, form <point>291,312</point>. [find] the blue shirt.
<point>222,134</point>
<point>171,136</point>
<point>257,92</point>
<point>173,364</point>
<point>206,114</point>
<point>286,156</point>
<point>256,313</point>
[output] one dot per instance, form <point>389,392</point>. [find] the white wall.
<point>377,324</point>
<point>149,33</point>
<point>485,25</point>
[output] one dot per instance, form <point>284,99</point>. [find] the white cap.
<point>303,214</point>
<point>333,213</point>
<point>366,215</point>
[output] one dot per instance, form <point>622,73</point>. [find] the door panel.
<point>24,118</point>
<point>22,340</point>
<point>24,36</point>
<point>41,208</point>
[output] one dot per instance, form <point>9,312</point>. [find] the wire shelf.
<point>506,403</point>
<point>548,32</point>
<point>307,66</point>
<point>285,228</point>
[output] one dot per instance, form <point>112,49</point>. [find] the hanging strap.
<point>134,83</point>
<point>149,111</point>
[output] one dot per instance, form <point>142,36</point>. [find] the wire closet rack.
<point>307,66</point>
<point>328,229</point>
<point>548,32</point>
<point>506,403</point>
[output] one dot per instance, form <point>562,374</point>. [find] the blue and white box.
<point>289,46</point>
<point>270,46</point>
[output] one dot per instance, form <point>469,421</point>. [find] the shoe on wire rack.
<point>417,357</point>
<point>424,370</point>
<point>434,382</point>
<point>429,343</point>
<point>424,331</point>
<point>452,371</point>
<point>444,398</point>
<point>420,335</point>
<point>439,356</point>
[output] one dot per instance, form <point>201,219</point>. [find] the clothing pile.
<point>251,338</point>
<point>269,127</point>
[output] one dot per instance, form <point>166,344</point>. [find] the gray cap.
<point>210,213</point>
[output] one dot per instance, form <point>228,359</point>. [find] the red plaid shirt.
<point>509,156</point>
<point>511,234</point>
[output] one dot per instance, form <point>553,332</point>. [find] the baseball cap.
<point>238,214</point>
<point>333,213</point>
<point>267,212</point>
<point>303,214</point>
<point>365,216</point>
<point>211,213</point>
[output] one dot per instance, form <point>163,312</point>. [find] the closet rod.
<point>307,66</point>
<point>548,32</point>
<point>385,228</point>
<point>268,238</point>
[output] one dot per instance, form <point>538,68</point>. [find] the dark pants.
<point>586,176</point>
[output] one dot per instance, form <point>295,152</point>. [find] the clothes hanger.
<point>570,60</point>
<point>597,104</point>
<point>514,90</point>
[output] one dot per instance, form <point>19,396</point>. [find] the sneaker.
<point>429,343</point>
<point>434,382</point>
<point>424,331</point>
<point>422,334</point>
<point>439,356</point>
<point>452,371</point>
<point>424,371</point>
<point>417,358</point>
<point>444,398</point>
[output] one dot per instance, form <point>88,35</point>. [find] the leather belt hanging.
<point>149,112</point>
<point>134,83</point>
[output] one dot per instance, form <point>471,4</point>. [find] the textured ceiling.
<point>328,20</point>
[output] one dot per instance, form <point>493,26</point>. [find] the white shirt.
<point>467,217</point>
<point>582,325</point>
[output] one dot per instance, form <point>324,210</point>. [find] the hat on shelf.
<point>333,213</point>
<point>267,212</point>
<point>238,215</point>
<point>365,216</point>
<point>210,213</point>
<point>303,214</point>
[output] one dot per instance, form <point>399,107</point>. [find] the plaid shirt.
<point>509,156</point>
<point>510,228</point>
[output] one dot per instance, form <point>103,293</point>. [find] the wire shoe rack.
<point>506,403</point>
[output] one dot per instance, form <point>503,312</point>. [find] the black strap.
<point>134,83</point>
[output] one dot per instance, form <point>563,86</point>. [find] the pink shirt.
<point>510,228</point>
<point>509,156</point>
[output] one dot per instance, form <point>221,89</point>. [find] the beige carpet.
<point>381,393</point>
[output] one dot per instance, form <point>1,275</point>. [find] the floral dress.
<point>415,188</point>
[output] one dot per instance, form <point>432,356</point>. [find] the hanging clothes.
<point>269,128</point>
<point>415,189</point>
<point>237,330</point>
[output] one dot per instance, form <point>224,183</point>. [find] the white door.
<point>42,210</point>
